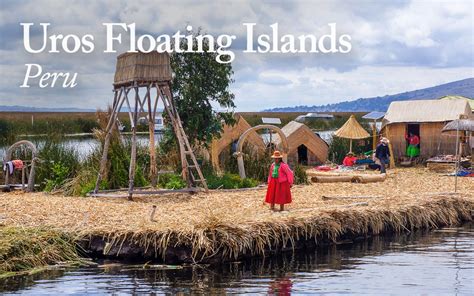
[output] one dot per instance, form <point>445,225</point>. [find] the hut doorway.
<point>302,154</point>
<point>413,128</point>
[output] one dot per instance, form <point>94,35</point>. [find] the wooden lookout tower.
<point>151,74</point>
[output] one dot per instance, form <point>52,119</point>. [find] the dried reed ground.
<point>236,223</point>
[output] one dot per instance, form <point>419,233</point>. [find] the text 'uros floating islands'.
<point>120,35</point>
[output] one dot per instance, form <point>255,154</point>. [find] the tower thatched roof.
<point>352,130</point>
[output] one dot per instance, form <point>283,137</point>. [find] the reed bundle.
<point>229,225</point>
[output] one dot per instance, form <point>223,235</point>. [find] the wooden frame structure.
<point>240,144</point>
<point>230,134</point>
<point>25,175</point>
<point>148,71</point>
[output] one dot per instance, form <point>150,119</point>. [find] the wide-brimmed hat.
<point>277,154</point>
<point>384,140</point>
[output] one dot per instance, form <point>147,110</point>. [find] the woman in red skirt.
<point>280,180</point>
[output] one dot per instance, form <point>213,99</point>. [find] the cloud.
<point>397,46</point>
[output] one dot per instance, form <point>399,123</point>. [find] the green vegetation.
<point>199,82</point>
<point>24,249</point>
<point>171,181</point>
<point>57,163</point>
<point>6,131</point>
<point>14,124</point>
<point>230,181</point>
<point>300,175</point>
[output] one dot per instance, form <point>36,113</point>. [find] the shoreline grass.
<point>31,249</point>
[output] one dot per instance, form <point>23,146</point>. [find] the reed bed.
<point>23,249</point>
<point>229,225</point>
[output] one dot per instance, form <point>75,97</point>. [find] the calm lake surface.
<point>84,145</point>
<point>439,262</point>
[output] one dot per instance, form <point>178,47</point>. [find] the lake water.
<point>440,262</point>
<point>84,145</point>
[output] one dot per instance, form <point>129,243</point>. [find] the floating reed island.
<point>229,225</point>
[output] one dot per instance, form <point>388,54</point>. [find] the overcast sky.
<point>396,46</point>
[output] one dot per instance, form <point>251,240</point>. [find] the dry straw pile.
<point>233,224</point>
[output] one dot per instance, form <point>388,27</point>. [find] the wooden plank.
<point>151,192</point>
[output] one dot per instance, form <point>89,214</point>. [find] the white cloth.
<point>8,165</point>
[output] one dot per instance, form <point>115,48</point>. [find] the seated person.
<point>349,160</point>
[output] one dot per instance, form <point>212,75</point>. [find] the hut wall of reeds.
<point>231,134</point>
<point>303,142</point>
<point>142,68</point>
<point>429,116</point>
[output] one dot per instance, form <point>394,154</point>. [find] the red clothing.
<point>278,191</point>
<point>349,160</point>
<point>18,164</point>
<point>284,173</point>
<point>413,140</point>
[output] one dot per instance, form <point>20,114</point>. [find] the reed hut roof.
<point>299,134</point>
<point>352,130</point>
<point>426,111</point>
<point>142,68</point>
<point>459,124</point>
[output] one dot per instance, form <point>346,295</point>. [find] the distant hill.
<point>35,109</point>
<point>463,87</point>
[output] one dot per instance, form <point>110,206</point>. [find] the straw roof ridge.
<point>298,132</point>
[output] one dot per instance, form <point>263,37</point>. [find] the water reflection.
<point>438,262</point>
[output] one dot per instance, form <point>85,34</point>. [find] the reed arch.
<point>239,154</point>
<point>31,176</point>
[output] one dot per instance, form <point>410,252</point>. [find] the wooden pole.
<point>133,154</point>
<point>350,145</point>
<point>390,148</point>
<point>457,161</point>
<point>374,137</point>
<point>151,129</point>
<point>118,102</point>
<point>23,178</point>
<point>174,121</point>
<point>240,164</point>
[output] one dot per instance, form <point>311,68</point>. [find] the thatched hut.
<point>352,130</point>
<point>229,137</point>
<point>305,147</point>
<point>426,119</point>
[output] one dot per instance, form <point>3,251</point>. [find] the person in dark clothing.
<point>382,154</point>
